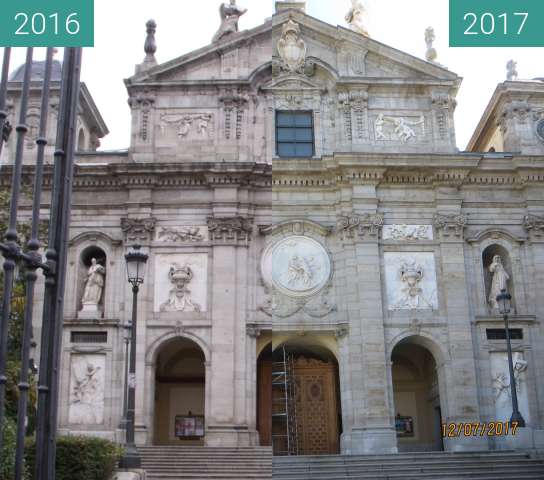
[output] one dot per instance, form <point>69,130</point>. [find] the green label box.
<point>496,23</point>
<point>47,23</point>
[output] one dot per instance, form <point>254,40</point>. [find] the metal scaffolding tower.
<point>284,407</point>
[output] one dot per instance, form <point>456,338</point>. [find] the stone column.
<point>230,237</point>
<point>372,428</point>
<point>461,381</point>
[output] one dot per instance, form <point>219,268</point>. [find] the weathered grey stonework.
<point>399,228</point>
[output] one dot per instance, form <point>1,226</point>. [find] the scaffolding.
<point>284,407</point>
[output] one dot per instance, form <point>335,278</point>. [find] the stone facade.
<point>375,249</point>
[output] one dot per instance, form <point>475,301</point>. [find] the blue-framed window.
<point>294,134</point>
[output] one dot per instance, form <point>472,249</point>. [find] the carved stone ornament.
<point>253,331</point>
<point>360,225</point>
<point>181,234</point>
<point>407,232</point>
<point>292,49</point>
<point>300,266</point>
<point>230,229</point>
<point>317,306</point>
<point>229,13</point>
<point>450,224</point>
<point>534,225</point>
<point>539,129</point>
<point>355,17</point>
<point>342,331</point>
<point>500,381</point>
<point>411,280</point>
<point>87,385</point>
<point>138,229</point>
<point>388,128</point>
<point>195,126</point>
<point>179,298</point>
<point>144,102</point>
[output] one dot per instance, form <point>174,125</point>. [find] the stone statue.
<point>511,70</point>
<point>94,284</point>
<point>431,55</point>
<point>355,18</point>
<point>230,13</point>
<point>499,281</point>
<point>180,296</point>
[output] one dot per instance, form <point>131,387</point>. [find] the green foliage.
<point>81,458</point>
<point>7,456</point>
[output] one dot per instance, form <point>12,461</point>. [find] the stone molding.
<point>138,229</point>
<point>450,225</point>
<point>534,226</point>
<point>230,229</point>
<point>297,227</point>
<point>368,225</point>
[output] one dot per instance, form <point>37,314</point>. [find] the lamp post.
<point>136,261</point>
<point>126,337</point>
<point>503,300</point>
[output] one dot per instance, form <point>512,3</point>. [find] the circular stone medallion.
<point>540,129</point>
<point>298,266</point>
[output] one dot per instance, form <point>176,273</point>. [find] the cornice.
<point>157,175</point>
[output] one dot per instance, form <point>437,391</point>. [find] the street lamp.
<point>136,261</point>
<point>504,302</point>
<point>126,337</point>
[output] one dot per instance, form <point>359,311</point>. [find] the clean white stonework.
<point>500,376</point>
<point>196,298</point>
<point>87,389</point>
<point>411,280</point>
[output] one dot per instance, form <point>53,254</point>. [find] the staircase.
<point>412,466</point>
<point>193,462</point>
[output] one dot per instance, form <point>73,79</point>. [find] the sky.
<point>184,26</point>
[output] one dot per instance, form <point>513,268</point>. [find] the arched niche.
<point>88,257</point>
<point>81,141</point>
<point>489,254</point>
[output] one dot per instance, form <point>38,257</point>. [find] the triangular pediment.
<point>350,54</point>
<point>236,56</point>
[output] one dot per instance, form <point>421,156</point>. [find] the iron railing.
<point>53,267</point>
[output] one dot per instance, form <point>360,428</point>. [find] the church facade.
<point>308,220</point>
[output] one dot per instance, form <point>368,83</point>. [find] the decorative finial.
<point>511,70</point>
<point>355,17</point>
<point>431,55</point>
<point>230,13</point>
<point>150,46</point>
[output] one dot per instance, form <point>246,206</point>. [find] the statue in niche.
<point>412,295</point>
<point>355,17</point>
<point>230,13</point>
<point>499,280</point>
<point>179,298</point>
<point>94,284</point>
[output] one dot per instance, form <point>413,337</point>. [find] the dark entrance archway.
<point>264,396</point>
<point>180,379</point>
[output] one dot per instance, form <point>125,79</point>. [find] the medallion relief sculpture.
<point>179,298</point>
<point>499,281</point>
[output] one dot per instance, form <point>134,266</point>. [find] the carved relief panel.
<point>181,283</point>
<point>187,125</point>
<point>87,384</point>
<point>411,280</point>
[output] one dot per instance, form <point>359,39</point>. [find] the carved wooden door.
<point>317,407</point>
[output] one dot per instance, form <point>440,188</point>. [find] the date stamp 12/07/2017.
<point>482,429</point>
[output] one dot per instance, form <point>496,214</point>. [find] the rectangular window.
<point>500,333</point>
<point>89,337</point>
<point>294,134</point>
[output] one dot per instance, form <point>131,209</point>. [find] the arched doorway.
<point>180,379</point>
<point>264,396</point>
<point>416,398</point>
<point>306,419</point>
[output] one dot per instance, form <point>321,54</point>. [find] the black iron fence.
<point>29,259</point>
